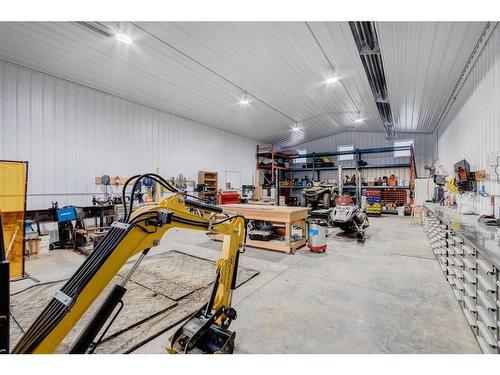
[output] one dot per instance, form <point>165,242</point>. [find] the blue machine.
<point>65,217</point>
<point>29,227</point>
<point>66,214</point>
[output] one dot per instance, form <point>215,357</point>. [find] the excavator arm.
<point>143,230</point>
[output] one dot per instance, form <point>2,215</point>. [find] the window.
<point>300,160</point>
<point>402,153</point>
<point>345,148</point>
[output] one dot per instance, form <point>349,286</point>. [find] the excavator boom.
<point>141,232</point>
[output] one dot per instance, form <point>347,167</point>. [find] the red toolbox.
<point>230,197</point>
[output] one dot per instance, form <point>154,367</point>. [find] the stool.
<point>417,211</point>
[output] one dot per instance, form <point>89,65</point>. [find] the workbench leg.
<point>288,233</point>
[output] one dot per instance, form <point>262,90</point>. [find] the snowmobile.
<point>348,217</point>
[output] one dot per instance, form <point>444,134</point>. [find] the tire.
<point>326,200</point>
<point>303,201</point>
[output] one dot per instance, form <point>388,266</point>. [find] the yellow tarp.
<point>12,205</point>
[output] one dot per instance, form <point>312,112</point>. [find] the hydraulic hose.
<point>56,310</point>
<point>157,178</point>
<point>202,206</point>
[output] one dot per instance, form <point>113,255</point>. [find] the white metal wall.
<point>471,129</point>
<point>70,134</point>
<point>424,150</point>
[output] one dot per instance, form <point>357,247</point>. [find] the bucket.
<point>401,211</point>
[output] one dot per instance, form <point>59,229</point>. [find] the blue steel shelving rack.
<point>358,153</point>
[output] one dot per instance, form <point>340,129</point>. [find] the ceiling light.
<point>359,120</point>
<point>296,127</point>
<point>332,78</point>
<point>124,38</point>
<point>245,100</point>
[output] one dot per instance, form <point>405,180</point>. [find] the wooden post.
<point>288,233</point>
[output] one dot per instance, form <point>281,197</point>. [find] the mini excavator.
<point>206,331</point>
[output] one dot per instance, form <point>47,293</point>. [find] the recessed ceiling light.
<point>245,100</point>
<point>124,38</point>
<point>359,120</point>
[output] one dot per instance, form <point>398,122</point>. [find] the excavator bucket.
<point>217,341</point>
<point>201,334</point>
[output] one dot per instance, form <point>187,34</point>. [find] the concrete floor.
<point>387,295</point>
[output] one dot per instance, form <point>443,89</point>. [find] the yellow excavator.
<point>141,229</point>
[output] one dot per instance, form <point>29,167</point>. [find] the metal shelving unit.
<point>276,171</point>
<point>358,153</point>
<point>319,169</point>
<point>364,187</point>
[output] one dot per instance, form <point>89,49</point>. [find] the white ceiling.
<point>423,61</point>
<point>201,70</point>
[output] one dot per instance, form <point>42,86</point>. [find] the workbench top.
<point>258,207</point>
<point>483,237</point>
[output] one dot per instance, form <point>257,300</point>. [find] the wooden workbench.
<point>287,216</point>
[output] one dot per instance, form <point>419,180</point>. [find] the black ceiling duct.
<point>107,29</point>
<point>365,36</point>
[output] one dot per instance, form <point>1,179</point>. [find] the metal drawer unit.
<point>487,304</point>
<point>436,234</point>
<point>473,278</point>
<point>455,266</point>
